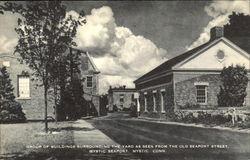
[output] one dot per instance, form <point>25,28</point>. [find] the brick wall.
<point>34,106</point>
<point>87,70</point>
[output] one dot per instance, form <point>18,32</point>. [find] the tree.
<point>6,88</point>
<point>238,25</point>
<point>234,83</point>
<point>10,110</point>
<point>45,33</point>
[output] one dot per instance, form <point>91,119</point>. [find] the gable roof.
<point>96,70</point>
<point>169,64</point>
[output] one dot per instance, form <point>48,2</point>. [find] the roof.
<point>87,54</point>
<point>170,63</point>
<point>90,59</point>
<point>241,42</point>
<point>8,55</point>
<point>121,89</point>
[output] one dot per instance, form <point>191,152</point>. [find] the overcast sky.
<point>129,38</point>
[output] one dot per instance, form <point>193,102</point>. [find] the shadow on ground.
<point>71,129</point>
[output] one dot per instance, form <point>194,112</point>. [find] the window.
<point>121,98</point>
<point>6,63</point>
<point>89,81</point>
<point>23,86</point>
<point>201,95</point>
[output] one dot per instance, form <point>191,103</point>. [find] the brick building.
<point>31,96</point>
<point>193,77</point>
<point>121,97</point>
<point>90,73</point>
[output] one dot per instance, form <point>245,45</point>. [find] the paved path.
<point>86,134</point>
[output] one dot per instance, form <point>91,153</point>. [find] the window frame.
<point>121,96</point>
<point>8,64</point>
<point>205,94</point>
<point>18,87</point>
<point>91,81</point>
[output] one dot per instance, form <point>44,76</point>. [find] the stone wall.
<point>185,89</point>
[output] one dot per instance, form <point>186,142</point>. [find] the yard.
<point>18,140</point>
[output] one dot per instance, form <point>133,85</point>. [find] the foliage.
<point>201,117</point>
<point>6,88</point>
<point>45,33</point>
<point>234,83</point>
<point>11,112</point>
<point>72,104</point>
<point>103,105</point>
<point>238,25</point>
<point>206,118</point>
<point>133,110</point>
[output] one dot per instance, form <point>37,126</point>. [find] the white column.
<point>136,96</point>
<point>145,102</point>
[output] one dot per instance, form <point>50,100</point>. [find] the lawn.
<point>20,139</point>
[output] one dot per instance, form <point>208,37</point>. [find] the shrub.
<point>11,112</point>
<point>133,110</point>
<point>234,83</point>
<point>180,116</point>
<point>126,109</point>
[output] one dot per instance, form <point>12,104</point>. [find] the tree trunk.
<point>46,108</point>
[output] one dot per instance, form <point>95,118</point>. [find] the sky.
<point>129,38</point>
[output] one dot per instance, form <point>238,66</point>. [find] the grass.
<point>23,138</point>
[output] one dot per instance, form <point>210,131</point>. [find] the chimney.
<point>216,32</point>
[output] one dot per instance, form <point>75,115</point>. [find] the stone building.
<point>121,97</point>
<point>31,96</point>
<point>192,78</point>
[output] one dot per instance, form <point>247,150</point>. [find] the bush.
<point>133,110</point>
<point>234,83</point>
<point>126,109</point>
<point>182,117</point>
<point>202,117</point>
<point>11,112</point>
